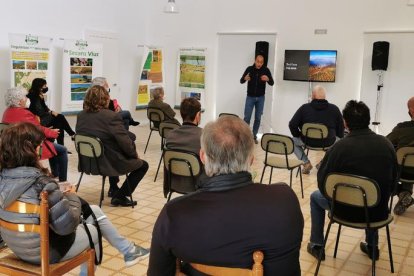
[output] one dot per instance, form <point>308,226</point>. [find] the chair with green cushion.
<point>354,191</point>
<point>182,163</point>
<point>278,150</point>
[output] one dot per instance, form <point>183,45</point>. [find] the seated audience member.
<point>403,135</point>
<point>16,102</point>
<point>113,104</point>
<point>22,178</point>
<point>319,110</point>
<point>48,118</point>
<point>363,153</point>
<point>229,217</point>
<point>120,155</point>
<point>186,137</point>
<point>158,102</point>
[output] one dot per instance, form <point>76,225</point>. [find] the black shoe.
<point>69,152</point>
<point>134,123</point>
<point>368,250</point>
<point>123,201</point>
<point>112,191</point>
<point>314,250</point>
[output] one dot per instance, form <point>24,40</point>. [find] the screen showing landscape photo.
<point>322,66</point>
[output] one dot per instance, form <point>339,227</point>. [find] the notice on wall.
<point>151,75</point>
<point>191,70</point>
<point>29,58</point>
<point>82,61</point>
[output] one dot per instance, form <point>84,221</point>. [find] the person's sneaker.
<point>307,167</point>
<point>122,201</point>
<point>315,250</point>
<point>134,123</point>
<point>69,152</point>
<point>368,250</point>
<point>137,254</point>
<point>404,201</point>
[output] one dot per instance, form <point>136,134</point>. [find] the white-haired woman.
<point>16,112</point>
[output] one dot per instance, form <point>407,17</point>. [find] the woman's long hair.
<point>96,98</point>
<point>37,85</point>
<point>18,146</point>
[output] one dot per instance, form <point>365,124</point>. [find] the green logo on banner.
<point>31,40</point>
<point>81,44</point>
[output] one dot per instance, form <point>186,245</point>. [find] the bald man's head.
<point>318,93</point>
<point>410,105</point>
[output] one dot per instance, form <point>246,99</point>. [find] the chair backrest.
<point>256,270</point>
<point>3,126</point>
<point>277,143</point>
<point>352,190</point>
<point>89,149</point>
<point>228,114</point>
<point>183,163</point>
<point>166,127</point>
<point>42,228</point>
<point>315,131</point>
<point>155,116</point>
<point>405,156</point>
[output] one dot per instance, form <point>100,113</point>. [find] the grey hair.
<point>228,146</point>
<point>14,95</point>
<point>157,92</point>
<point>99,81</point>
<point>319,92</point>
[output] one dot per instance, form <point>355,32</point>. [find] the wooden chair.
<point>89,150</point>
<point>354,191</point>
<point>181,163</point>
<point>11,265</point>
<point>155,117</point>
<point>164,129</point>
<point>277,144</point>
<point>257,269</point>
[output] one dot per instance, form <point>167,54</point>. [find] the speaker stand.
<point>380,85</point>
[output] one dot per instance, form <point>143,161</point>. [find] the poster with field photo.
<point>151,76</point>
<point>29,56</point>
<point>82,61</point>
<point>191,75</point>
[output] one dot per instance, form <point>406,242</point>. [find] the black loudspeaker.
<point>380,53</point>
<point>262,48</point>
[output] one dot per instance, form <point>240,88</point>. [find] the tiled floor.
<point>137,223</point>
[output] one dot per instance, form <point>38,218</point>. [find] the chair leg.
<point>149,136</point>
<point>389,249</point>
<point>169,196</point>
<point>373,261</point>
<point>323,248</point>
<point>301,181</point>
<point>91,263</point>
<point>129,190</point>
<point>271,172</point>
<point>102,191</point>
<point>159,165</point>
<point>79,181</point>
<point>290,182</point>
<point>261,178</point>
<point>337,239</point>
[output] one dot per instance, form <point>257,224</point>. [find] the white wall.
<point>294,22</point>
<point>69,19</point>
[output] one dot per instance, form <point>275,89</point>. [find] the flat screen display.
<point>310,65</point>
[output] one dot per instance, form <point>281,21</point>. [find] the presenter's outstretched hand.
<point>247,77</point>
<point>264,78</point>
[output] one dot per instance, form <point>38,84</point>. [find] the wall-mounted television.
<point>310,65</point>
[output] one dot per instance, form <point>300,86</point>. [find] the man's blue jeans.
<point>258,104</point>
<point>319,204</point>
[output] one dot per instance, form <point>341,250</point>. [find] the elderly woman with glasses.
<point>16,112</point>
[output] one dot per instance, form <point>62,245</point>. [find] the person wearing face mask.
<point>48,118</point>
<point>186,137</point>
<point>17,112</point>
<point>256,76</point>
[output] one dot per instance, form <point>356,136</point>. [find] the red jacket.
<point>19,114</point>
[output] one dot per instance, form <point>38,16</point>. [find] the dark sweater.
<point>255,86</point>
<point>224,222</point>
<point>403,135</point>
<point>322,112</point>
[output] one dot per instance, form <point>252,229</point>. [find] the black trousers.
<point>60,122</point>
<point>134,178</point>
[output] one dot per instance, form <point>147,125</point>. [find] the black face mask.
<point>44,90</point>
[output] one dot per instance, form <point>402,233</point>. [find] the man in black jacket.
<point>363,153</point>
<point>229,217</point>
<point>319,110</point>
<point>403,135</point>
<point>256,76</point>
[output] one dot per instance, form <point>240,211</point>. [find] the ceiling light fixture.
<point>171,7</point>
